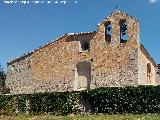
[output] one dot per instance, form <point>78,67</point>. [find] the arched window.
<point>123,31</point>
<point>148,73</point>
<point>108,31</point>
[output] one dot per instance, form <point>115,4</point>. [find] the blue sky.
<point>24,27</point>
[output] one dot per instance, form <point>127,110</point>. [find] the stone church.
<point>111,56</point>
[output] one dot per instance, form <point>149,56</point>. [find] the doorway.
<point>82,76</point>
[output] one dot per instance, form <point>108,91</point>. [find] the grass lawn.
<point>85,117</point>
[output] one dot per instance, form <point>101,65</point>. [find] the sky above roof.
<point>26,25</point>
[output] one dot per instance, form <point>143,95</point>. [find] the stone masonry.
<point>78,61</point>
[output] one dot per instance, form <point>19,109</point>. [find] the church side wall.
<point>143,78</point>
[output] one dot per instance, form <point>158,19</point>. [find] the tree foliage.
<point>2,77</point>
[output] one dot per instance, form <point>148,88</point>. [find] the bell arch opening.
<point>123,31</point>
<point>108,31</point>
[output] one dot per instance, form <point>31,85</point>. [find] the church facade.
<point>111,56</point>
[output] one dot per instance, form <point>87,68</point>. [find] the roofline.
<point>151,59</point>
<point>67,35</point>
<point>42,46</point>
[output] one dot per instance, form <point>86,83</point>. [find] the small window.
<point>85,45</point>
<point>108,31</point>
<point>149,73</point>
<point>123,31</point>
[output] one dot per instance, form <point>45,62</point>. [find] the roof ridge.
<point>51,42</point>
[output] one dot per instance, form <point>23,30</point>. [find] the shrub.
<point>141,99</point>
<point>56,103</point>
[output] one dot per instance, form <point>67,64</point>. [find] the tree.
<point>2,77</point>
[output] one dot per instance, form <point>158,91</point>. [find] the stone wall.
<point>50,68</point>
<point>117,63</point>
<point>53,66</point>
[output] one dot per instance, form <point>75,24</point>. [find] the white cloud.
<point>152,1</point>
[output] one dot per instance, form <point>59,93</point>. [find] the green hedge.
<point>54,103</point>
<point>142,99</point>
